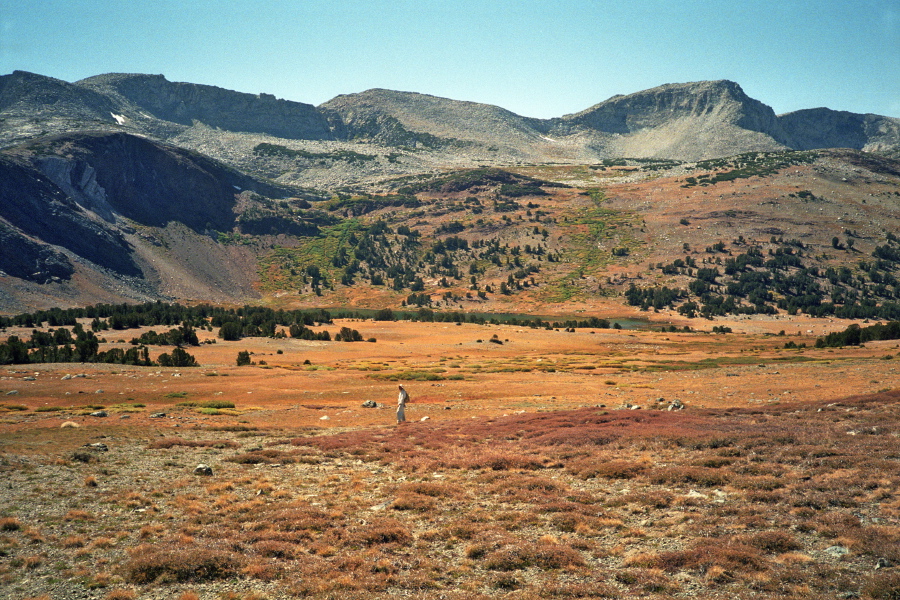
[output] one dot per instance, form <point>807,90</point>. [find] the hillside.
<point>423,121</point>
<point>131,187</point>
<point>111,216</point>
<point>758,233</point>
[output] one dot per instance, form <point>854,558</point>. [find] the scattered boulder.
<point>158,415</point>
<point>97,446</point>
<point>370,404</point>
<point>12,393</point>
<point>99,413</point>
<point>676,405</point>
<point>882,563</point>
<point>69,424</point>
<point>836,551</point>
<point>204,470</point>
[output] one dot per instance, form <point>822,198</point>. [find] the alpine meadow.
<point>649,347</point>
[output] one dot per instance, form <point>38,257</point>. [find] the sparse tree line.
<point>855,335</point>
<point>763,282</point>
<point>351,252</point>
<point>67,340</point>
<point>380,256</point>
<point>431,316</point>
<point>77,344</point>
<point>62,345</point>
<point>749,164</point>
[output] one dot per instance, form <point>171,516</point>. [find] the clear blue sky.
<point>538,59</point>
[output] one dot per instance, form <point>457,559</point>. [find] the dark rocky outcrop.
<point>97,202</point>
<point>148,182</point>
<point>26,259</point>
<point>34,206</point>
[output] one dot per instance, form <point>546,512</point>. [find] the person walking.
<point>402,399</point>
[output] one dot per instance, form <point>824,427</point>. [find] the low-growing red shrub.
<point>410,501</point>
<point>523,556</point>
<point>387,531</point>
<point>590,468</point>
<point>773,542</point>
<point>168,563</point>
<point>884,585</point>
<point>706,554</point>
<point>171,442</point>
<point>700,476</point>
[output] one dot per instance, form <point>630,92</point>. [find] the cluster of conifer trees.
<point>754,282</point>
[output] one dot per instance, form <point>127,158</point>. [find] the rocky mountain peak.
<point>30,94</point>
<point>187,103</point>
<point>723,99</point>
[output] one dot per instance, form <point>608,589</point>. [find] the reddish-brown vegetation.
<point>533,498</point>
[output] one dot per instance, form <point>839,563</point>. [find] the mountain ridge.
<point>680,121</point>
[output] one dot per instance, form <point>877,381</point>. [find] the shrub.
<point>416,502</point>
<point>774,542</point>
<point>433,489</point>
<point>884,585</point>
<point>544,556</point>
<point>267,456</point>
<point>688,475</point>
<point>171,442</point>
<point>387,531</point>
<point>276,549</point>
<point>706,554</point>
<point>73,541</point>
<point>217,404</point>
<point>504,462</point>
<point>78,515</point>
<point>10,524</point>
<point>609,469</point>
<point>169,563</point>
